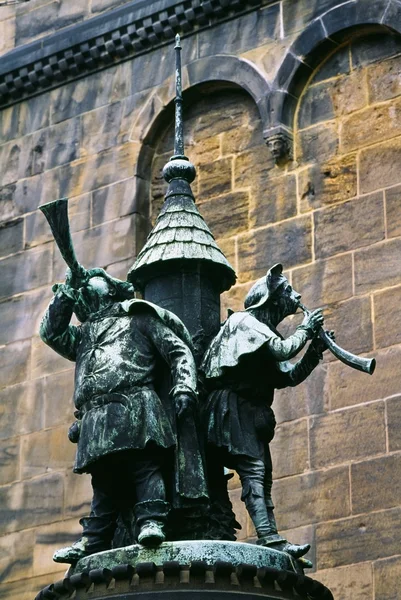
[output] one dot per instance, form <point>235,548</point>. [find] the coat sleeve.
<point>177,355</point>
<point>55,329</point>
<point>291,375</point>
<point>282,350</point>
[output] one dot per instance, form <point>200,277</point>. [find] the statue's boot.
<point>266,527</point>
<point>151,517</point>
<point>97,535</point>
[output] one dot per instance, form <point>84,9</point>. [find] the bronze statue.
<point>243,366</point>
<point>127,434</point>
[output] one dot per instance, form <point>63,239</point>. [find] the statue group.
<point>153,451</point>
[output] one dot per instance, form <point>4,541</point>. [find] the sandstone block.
<point>349,583</point>
<point>347,386</point>
<point>309,498</point>
<point>78,494</point>
<point>234,298</point>
<point>316,106</point>
<point>15,361</point>
<point>386,576</point>
<point>24,504</point>
<point>288,242</point>
<point>215,213</point>
<point>328,183</point>
<point>25,271</point>
<point>351,225</point>
<point>324,282</point>
<point>215,178</point>
<point>21,119</point>
<point>7,34</point>
<point>16,556</point>
<point>298,14</point>
<point>318,142</point>
<point>337,64</point>
<point>21,408</point>
<point>28,589</point>
<point>306,399</point>
<point>59,405</point>
<point>9,210</point>
<point>393,200</point>
<point>102,245</point>
<point>387,317</point>
<point>303,535</point>
<point>50,538</point>
<point>46,361</point>
<point>349,93</point>
<point>207,150</point>
<point>372,125</point>
<point>9,460</point>
<point>289,449</point>
<point>11,237</point>
<point>251,31</point>
<point>20,316</point>
<point>47,18</point>
<point>63,143</point>
<point>352,322</point>
<point>10,156</point>
<point>241,514</point>
<point>229,248</point>
<point>46,451</point>
<point>378,166</point>
<point>374,48</point>
<point>100,128</point>
<point>394,423</point>
<point>278,202</point>
<point>34,191</point>
<point>377,267</point>
<point>383,80</point>
<point>119,199</point>
<point>242,138</point>
<point>376,484</point>
<point>347,435</point>
<point>99,6</point>
<point>358,539</point>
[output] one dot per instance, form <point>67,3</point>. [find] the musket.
<point>56,213</point>
<point>367,365</point>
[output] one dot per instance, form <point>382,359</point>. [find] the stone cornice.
<point>120,34</point>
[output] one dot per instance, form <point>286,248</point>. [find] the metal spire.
<point>179,123</point>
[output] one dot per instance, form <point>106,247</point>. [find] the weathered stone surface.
<point>26,589</point>
<point>311,497</point>
<point>16,556</point>
<point>100,128</point>
<point>207,149</point>
<point>11,237</point>
<point>347,387</point>
<point>50,538</point>
<point>21,408</point>
<point>306,399</point>
<point>298,14</point>
<point>328,183</point>
<point>379,166</point>
<point>228,246</point>
<point>351,225</point>
<point>63,145</point>
<point>15,363</point>
<point>278,202</point>
<point>46,451</point>
<point>347,435</point>
<point>303,535</point>
<point>372,125</point>
<point>376,484</point>
<point>349,583</point>
<point>387,317</point>
<point>7,34</point>
<point>215,213</point>
<point>34,191</point>
<point>377,267</point>
<point>383,80</point>
<point>337,64</point>
<point>243,138</point>
<point>44,19</point>
<point>318,143</point>
<point>393,202</point>
<point>358,539</point>
<point>288,242</point>
<point>290,449</point>
<point>26,271</point>
<point>316,106</point>
<point>78,494</point>
<point>119,199</point>
<point>24,504</point>
<point>386,576</point>
<point>59,405</point>
<point>215,178</point>
<point>254,169</point>
<point>373,48</point>
<point>240,513</point>
<point>101,245</point>
<point>325,281</point>
<point>46,361</point>
<point>394,423</point>
<point>234,298</point>
<point>98,6</point>
<point>251,31</point>
<point>9,460</point>
<point>352,322</point>
<point>24,118</point>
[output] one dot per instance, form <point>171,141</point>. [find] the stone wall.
<point>332,216</point>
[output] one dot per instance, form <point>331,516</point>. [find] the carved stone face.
<point>278,146</point>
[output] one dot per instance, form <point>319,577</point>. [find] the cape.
<point>241,335</point>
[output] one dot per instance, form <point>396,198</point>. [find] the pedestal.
<point>194,570</point>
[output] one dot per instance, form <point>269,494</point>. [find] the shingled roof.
<point>181,234</point>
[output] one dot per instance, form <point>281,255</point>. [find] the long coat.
<point>119,353</point>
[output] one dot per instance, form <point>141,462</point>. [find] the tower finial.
<point>178,166</point>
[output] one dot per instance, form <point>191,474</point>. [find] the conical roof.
<point>180,235</point>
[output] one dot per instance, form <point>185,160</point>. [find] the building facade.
<point>86,100</point>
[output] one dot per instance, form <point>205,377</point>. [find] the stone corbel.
<point>280,143</point>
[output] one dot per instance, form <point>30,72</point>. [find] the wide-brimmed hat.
<point>265,287</point>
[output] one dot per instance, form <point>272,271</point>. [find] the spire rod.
<point>179,125</point>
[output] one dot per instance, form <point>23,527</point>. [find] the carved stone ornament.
<point>281,147</point>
